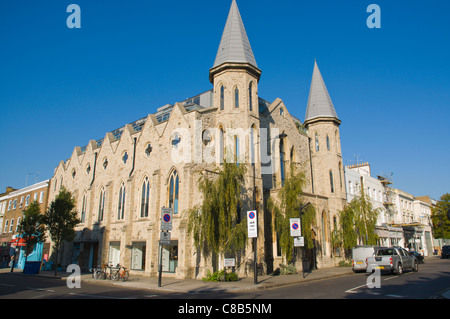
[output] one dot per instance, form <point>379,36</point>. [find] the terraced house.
<point>122,181</point>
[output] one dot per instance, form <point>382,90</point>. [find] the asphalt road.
<point>433,277</point>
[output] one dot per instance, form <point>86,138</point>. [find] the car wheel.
<point>399,269</point>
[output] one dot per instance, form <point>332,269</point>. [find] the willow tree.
<point>441,222</point>
<point>288,205</point>
<point>216,224</point>
<point>60,220</point>
<point>31,227</point>
<point>357,222</point>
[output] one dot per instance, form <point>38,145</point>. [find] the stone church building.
<point>122,181</point>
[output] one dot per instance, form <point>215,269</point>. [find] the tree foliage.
<point>357,222</point>
<point>216,225</point>
<point>31,227</point>
<point>60,220</point>
<point>287,206</point>
<point>441,223</point>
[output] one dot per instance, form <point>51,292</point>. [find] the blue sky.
<point>61,87</point>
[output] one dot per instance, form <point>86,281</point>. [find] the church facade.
<point>122,182</point>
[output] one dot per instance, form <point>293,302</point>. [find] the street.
<point>432,278</point>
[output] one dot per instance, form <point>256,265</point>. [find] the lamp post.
<point>255,250</point>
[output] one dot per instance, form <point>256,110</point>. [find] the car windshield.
<point>385,252</point>
<point>446,248</point>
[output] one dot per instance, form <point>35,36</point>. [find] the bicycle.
<point>97,272</point>
<point>105,272</point>
<point>120,273</point>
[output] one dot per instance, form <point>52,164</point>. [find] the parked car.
<point>445,252</point>
<point>418,256</point>
<point>392,259</point>
<point>359,255</point>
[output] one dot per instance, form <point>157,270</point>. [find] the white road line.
<point>96,296</point>
<point>7,285</point>
<point>350,291</point>
<point>40,289</point>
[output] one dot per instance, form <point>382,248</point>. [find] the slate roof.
<point>319,101</point>
<point>234,46</point>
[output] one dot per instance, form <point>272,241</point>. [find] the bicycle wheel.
<point>125,275</point>
<point>99,274</point>
<point>115,275</point>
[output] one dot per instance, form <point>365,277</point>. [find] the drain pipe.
<point>95,165</point>
<point>134,157</point>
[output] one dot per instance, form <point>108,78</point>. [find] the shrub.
<point>220,276</point>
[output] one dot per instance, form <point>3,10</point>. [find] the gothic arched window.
<point>121,206</point>
<point>145,198</point>
<point>222,98</point>
<point>174,187</point>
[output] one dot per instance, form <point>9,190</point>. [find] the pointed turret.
<point>235,50</point>
<point>319,101</point>
<point>234,46</point>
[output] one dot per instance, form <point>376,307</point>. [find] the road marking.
<point>7,285</point>
<point>97,296</point>
<point>350,291</point>
<point>394,296</point>
<point>40,289</point>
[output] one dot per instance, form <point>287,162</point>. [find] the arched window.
<point>145,198</point>
<point>250,98</point>
<point>83,208</point>
<point>221,145</point>
<point>317,142</point>
<point>252,144</point>
<point>282,164</point>
<point>236,98</point>
<point>236,149</point>
<point>331,181</point>
<point>328,142</point>
<point>174,185</point>
<point>222,98</point>
<point>121,205</point>
<point>101,204</point>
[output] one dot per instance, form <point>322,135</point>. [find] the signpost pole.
<point>160,265</point>
<point>166,227</point>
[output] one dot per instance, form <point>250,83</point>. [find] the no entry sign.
<point>295,227</point>
<point>166,218</point>
<point>252,224</point>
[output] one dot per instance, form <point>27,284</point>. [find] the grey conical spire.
<point>319,101</point>
<point>234,46</point>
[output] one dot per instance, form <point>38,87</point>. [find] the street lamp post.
<point>255,250</point>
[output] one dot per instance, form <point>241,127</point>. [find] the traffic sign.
<point>166,218</point>
<point>295,227</point>
<point>164,237</point>
<point>252,224</point>
<point>299,241</point>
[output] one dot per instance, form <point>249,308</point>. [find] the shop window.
<point>138,256</point>
<point>169,258</point>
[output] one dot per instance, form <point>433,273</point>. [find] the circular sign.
<point>166,218</point>
<point>295,226</point>
<point>251,215</point>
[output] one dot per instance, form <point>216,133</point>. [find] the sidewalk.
<point>200,286</point>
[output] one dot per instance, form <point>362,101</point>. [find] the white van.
<point>359,255</point>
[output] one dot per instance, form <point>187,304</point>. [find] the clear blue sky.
<point>61,87</point>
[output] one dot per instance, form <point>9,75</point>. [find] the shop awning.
<point>18,242</point>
